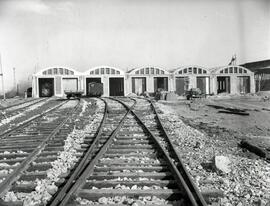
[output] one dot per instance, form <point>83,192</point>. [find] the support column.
<point>171,87</point>
<point>127,87</point>
<point>213,84</point>
<point>233,84</point>
<point>84,86</point>
<point>34,86</point>
<point>150,84</point>
<point>252,83</point>
<point>106,85</point>
<point>207,85</point>
<point>192,82</point>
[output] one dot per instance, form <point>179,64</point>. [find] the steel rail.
<point>24,124</point>
<point>61,194</point>
<point>5,185</point>
<point>90,167</point>
<point>15,105</point>
<point>179,173</point>
<point>192,187</point>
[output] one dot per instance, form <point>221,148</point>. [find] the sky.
<point>81,34</point>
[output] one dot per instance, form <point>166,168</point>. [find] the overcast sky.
<point>130,33</point>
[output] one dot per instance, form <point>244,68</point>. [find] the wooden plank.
<point>127,167</point>
<point>253,148</point>
<point>105,175</point>
<point>95,194</point>
<point>112,183</point>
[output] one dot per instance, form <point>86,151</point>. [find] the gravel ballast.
<point>247,183</point>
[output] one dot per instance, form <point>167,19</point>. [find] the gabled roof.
<point>258,66</point>
<point>58,70</point>
<point>148,70</point>
<point>191,69</point>
<point>218,70</point>
<point>104,70</point>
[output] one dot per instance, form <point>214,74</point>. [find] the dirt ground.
<point>216,127</point>
<point>205,114</point>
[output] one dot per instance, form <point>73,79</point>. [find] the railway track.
<point>20,104</point>
<point>132,164</point>
<point>27,152</point>
<point>149,116</point>
<point>18,146</point>
<point>16,110</point>
<point>11,118</point>
<point>124,158</point>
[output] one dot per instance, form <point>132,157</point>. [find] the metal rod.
<point>1,74</point>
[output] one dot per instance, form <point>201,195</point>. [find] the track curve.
<point>132,168</point>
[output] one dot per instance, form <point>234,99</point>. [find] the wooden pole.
<point>1,74</point>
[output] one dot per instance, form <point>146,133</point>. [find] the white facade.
<point>104,73</point>
<point>151,75</point>
<point>57,75</point>
<point>232,79</point>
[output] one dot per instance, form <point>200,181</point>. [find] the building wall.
<point>149,82</point>
<point>233,83</point>
<point>192,81</point>
<point>58,83</point>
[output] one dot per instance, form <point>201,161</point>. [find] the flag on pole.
<point>233,60</point>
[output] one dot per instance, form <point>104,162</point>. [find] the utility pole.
<point>1,74</point>
<point>14,79</point>
<point>235,63</point>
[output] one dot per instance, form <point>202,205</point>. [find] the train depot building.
<point>148,79</point>
<point>232,79</point>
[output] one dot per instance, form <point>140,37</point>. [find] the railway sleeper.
<point>19,147</point>
<point>25,142</point>
<point>114,155</point>
<point>149,175</point>
<point>131,141</point>
<point>130,150</point>
<point>22,137</point>
<point>30,186</point>
<point>32,176</point>
<point>12,161</point>
<point>95,194</point>
<point>130,138</point>
<point>133,146</point>
<point>40,167</point>
<point>130,168</point>
<point>13,156</point>
<point>114,183</point>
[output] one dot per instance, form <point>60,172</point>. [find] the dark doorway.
<point>203,84</point>
<point>180,85</point>
<point>138,85</point>
<point>116,86</point>
<point>161,83</point>
<point>223,84</point>
<point>91,80</point>
<point>243,85</point>
<point>46,87</point>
